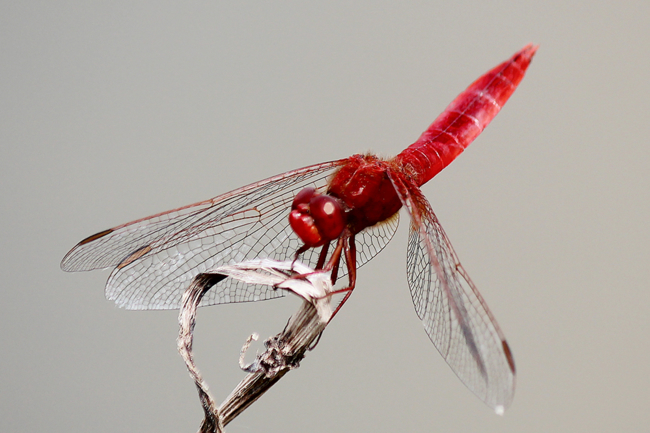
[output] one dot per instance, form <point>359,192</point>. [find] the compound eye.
<point>316,218</point>
<point>328,215</point>
<point>303,225</point>
<point>303,197</point>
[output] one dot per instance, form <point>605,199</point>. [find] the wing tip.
<point>67,264</point>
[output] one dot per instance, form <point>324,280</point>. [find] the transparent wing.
<point>454,314</point>
<point>155,258</point>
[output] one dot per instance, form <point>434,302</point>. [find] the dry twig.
<point>283,352</point>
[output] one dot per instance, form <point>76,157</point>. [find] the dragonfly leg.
<point>322,256</point>
<point>345,245</point>
<point>301,250</point>
<point>350,248</point>
<point>321,259</point>
<point>335,260</point>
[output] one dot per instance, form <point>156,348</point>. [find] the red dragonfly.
<point>351,204</point>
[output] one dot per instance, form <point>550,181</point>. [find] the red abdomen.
<point>465,118</point>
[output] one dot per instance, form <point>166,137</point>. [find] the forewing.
<point>454,314</point>
<point>155,258</point>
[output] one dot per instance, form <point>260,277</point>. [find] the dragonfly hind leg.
<point>345,245</point>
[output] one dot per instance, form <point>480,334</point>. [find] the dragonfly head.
<point>316,218</point>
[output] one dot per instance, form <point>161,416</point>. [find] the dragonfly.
<point>334,216</point>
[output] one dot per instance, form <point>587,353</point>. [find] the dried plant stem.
<point>187,320</point>
<point>283,353</point>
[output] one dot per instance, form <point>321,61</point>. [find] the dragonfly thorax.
<point>364,186</point>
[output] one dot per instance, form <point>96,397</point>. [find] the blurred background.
<point>116,110</point>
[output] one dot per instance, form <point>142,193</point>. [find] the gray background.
<point>113,111</point>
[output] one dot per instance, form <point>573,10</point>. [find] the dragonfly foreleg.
<point>348,246</point>
<point>322,256</point>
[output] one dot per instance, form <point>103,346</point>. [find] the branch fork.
<point>283,351</point>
